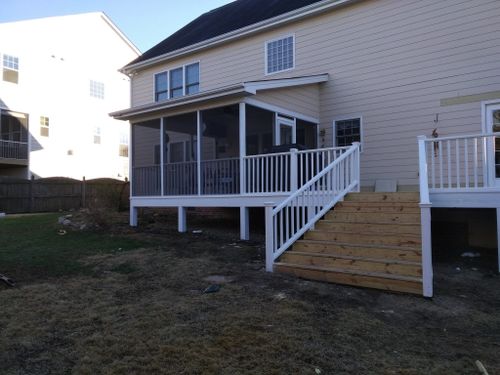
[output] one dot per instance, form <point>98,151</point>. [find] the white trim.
<point>294,15</point>
<point>120,34</point>
<point>349,117</point>
<point>487,122</point>
<point>266,43</point>
<point>278,121</point>
<point>498,236</point>
<point>270,84</point>
<point>273,108</point>
<point>209,200</point>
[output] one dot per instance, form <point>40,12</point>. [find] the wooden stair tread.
<point>353,272</point>
<point>374,246</point>
<point>358,258</point>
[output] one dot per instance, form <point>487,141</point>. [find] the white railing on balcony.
<point>146,181</point>
<point>13,150</point>
<point>180,178</point>
<point>298,213</point>
<point>286,171</point>
<point>457,163</point>
<point>220,176</point>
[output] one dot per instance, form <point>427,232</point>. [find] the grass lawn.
<point>81,306</point>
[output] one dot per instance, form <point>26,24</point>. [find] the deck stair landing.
<point>369,240</point>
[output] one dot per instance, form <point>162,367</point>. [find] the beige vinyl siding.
<point>390,61</point>
<point>303,100</point>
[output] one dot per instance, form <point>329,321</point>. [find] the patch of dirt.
<point>145,312</point>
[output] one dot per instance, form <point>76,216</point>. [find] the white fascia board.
<point>192,99</point>
<point>255,86</point>
<point>120,33</point>
<point>295,15</point>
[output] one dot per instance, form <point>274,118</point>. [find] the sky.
<point>144,22</point>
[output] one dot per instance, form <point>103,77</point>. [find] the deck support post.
<point>244,223</point>
<point>427,272</point>
<point>498,236</point>
<point>133,216</point>
<point>181,220</point>
<point>269,236</point>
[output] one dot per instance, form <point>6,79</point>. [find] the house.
<point>354,123</point>
<point>59,81</point>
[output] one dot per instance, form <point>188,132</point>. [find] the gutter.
<point>245,31</point>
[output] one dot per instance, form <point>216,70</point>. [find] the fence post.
<point>32,194</point>
<point>84,193</point>
<point>293,169</point>
<point>269,236</point>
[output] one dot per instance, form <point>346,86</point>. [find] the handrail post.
<point>357,165</point>
<point>423,173</point>
<point>269,236</point>
<point>293,169</point>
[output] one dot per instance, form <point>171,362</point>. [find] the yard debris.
<point>280,296</point>
<point>2,214</point>
<point>481,368</point>
<point>317,371</point>
<point>7,281</point>
<point>214,288</point>
<point>61,232</point>
<point>470,254</point>
<point>219,279</point>
<point>197,231</point>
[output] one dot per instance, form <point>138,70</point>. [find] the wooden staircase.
<point>369,240</point>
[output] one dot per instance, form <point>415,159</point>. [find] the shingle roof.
<point>225,19</point>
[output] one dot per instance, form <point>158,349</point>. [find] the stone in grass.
<point>214,288</point>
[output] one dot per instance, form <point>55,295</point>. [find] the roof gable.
<point>230,17</point>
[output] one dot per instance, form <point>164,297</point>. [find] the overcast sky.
<point>144,22</point>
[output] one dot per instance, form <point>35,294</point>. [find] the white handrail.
<point>301,210</point>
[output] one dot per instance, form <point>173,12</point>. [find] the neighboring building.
<point>59,81</point>
<point>217,106</point>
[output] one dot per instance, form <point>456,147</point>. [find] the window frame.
<point>97,134</point>
<point>294,62</point>
<point>8,68</point>
<point>45,125</point>
<point>123,145</point>
<point>95,89</point>
<point>346,118</point>
<point>169,82</point>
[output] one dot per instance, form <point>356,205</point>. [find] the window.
<point>192,79</point>
<point>123,149</point>
<point>280,55</point>
<point>347,131</point>
<point>161,86</point>
<point>10,69</point>
<point>177,82</point>
<point>44,126</point>
<point>97,89</point>
<point>97,135</point>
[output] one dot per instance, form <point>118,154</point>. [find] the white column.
<point>243,146</point>
<point>244,223</point>
<point>427,272</point>
<point>181,219</point>
<point>498,236</point>
<point>133,215</point>
<point>423,173</point>
<point>162,156</point>
<point>198,149</point>
<point>269,237</point>
<point>293,170</point>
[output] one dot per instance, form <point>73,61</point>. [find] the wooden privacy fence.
<point>54,194</point>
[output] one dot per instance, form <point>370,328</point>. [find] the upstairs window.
<point>97,135</point>
<point>347,131</point>
<point>97,89</point>
<point>175,83</point>
<point>280,55</point>
<point>123,149</point>
<point>10,69</point>
<point>44,126</point>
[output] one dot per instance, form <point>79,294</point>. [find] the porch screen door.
<point>493,126</point>
<point>285,131</point>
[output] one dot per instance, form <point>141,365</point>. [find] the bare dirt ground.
<point>144,312</point>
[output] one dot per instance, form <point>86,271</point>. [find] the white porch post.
<point>427,272</point>
<point>243,147</point>
<point>162,156</point>
<point>244,223</point>
<point>133,215</point>
<point>293,170</point>
<point>498,236</point>
<point>181,219</point>
<point>269,236</point>
<point>198,149</point>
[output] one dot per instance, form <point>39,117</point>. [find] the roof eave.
<point>251,29</point>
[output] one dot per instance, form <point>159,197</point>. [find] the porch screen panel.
<point>220,163</point>
<point>310,164</point>
<point>146,176</point>
<point>180,154</point>
<point>13,136</point>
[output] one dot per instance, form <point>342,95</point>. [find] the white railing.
<point>146,181</point>
<point>220,176</point>
<point>180,178</point>
<point>287,222</point>
<point>286,171</point>
<point>456,163</point>
<point>13,150</point>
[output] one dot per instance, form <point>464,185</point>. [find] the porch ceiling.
<point>237,91</point>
